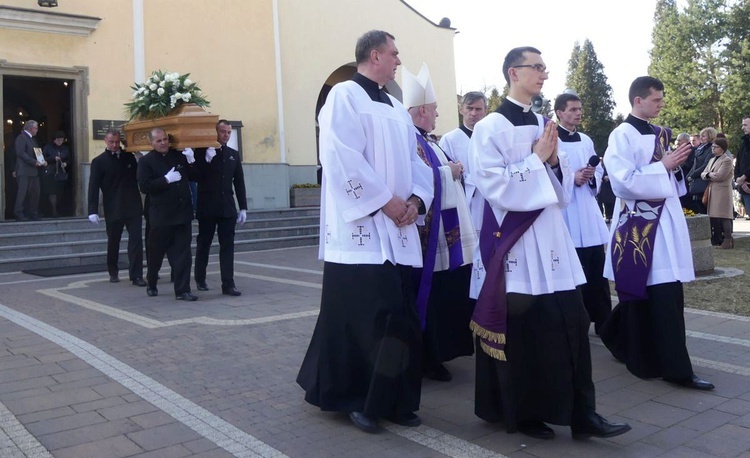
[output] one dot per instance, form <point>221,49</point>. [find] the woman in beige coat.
<point>719,172</point>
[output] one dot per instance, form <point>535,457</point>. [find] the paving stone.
<point>726,440</point>
<point>112,447</point>
<point>671,437</point>
<point>706,421</point>
<point>127,410</point>
<point>65,423</point>
<point>16,361</point>
<point>697,401</point>
<point>88,434</point>
<point>657,414</point>
<point>687,452</point>
<point>51,400</point>
<point>111,389</point>
<point>98,404</point>
<point>149,420</point>
<point>30,372</point>
<point>7,397</point>
<point>162,436</point>
<point>735,406</point>
<point>46,414</point>
<point>175,451</point>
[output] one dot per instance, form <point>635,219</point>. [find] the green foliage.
<point>586,77</point>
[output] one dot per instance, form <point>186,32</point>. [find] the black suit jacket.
<point>215,181</point>
<point>26,163</point>
<point>118,180</point>
<point>170,204</point>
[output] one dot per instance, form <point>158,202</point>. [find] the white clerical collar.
<point>570,132</point>
<point>526,108</point>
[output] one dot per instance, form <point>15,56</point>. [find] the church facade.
<point>265,65</point>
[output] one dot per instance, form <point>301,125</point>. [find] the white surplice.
<point>512,178</point>
<point>368,152</point>
<point>633,176</point>
<point>456,145</point>
<point>582,215</point>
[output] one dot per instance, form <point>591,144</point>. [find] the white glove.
<point>189,154</point>
<point>173,176</point>
<point>94,218</point>
<point>242,217</point>
<point>210,153</point>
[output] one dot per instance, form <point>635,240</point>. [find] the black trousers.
<point>135,246</point>
<point>596,295</point>
<point>27,187</point>
<point>174,241</point>
<point>206,228</point>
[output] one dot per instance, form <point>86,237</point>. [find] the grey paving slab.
<point>233,381</point>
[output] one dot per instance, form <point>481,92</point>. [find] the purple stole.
<point>633,241</point>
<point>490,318</point>
<point>430,233</point>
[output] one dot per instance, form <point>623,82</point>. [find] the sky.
<point>487,29</point>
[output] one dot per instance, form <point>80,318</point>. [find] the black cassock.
<point>364,355</point>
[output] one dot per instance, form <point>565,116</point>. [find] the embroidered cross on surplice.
<point>361,235</point>
<point>353,188</point>
<point>510,260</point>
<point>554,259</point>
<point>520,175</point>
<point>402,238</point>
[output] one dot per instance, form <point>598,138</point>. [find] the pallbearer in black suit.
<point>115,173</point>
<point>163,174</point>
<point>219,170</point>
<point>27,172</point>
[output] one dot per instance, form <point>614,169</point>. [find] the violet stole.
<point>450,224</point>
<point>490,318</point>
<point>633,241</point>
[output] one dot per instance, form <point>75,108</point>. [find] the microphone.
<point>593,162</point>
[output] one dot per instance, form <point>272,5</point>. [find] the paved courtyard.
<point>94,369</point>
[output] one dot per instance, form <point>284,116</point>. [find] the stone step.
<point>75,241</point>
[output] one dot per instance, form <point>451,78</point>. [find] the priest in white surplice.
<point>364,357</point>
<point>582,215</point>
<point>534,365</point>
<point>473,108</point>
<point>448,241</point>
<point>649,257</point>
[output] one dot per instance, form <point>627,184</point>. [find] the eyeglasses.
<point>538,67</point>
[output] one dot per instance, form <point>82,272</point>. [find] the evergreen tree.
<point>688,58</point>
<point>736,95</point>
<point>586,77</point>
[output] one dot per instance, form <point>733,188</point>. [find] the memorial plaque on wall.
<point>101,126</point>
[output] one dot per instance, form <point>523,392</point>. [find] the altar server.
<point>365,354</point>
<point>582,215</point>
<point>534,365</point>
<point>649,257</point>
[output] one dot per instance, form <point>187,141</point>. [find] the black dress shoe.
<point>597,426</point>
<point>693,382</point>
<point>201,286</point>
<point>139,282</point>
<point>231,291</point>
<point>439,373</point>
<point>151,292</point>
<point>363,422</point>
<point>186,297</point>
<point>114,279</point>
<point>409,419</point>
<point>536,429</point>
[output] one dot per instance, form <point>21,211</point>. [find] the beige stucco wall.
<point>228,47</point>
<point>315,42</point>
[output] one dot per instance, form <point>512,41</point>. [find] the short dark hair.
<point>473,96</point>
<point>642,86</point>
<point>368,42</point>
<point>561,102</point>
<point>515,57</point>
<point>223,122</point>
<point>722,143</point>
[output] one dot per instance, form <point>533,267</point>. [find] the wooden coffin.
<point>188,126</point>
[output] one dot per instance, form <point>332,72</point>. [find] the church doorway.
<point>47,101</point>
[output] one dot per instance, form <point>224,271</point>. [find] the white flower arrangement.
<point>161,93</point>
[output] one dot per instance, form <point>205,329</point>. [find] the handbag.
<point>698,186</point>
<point>60,173</point>
<point>704,199</point>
